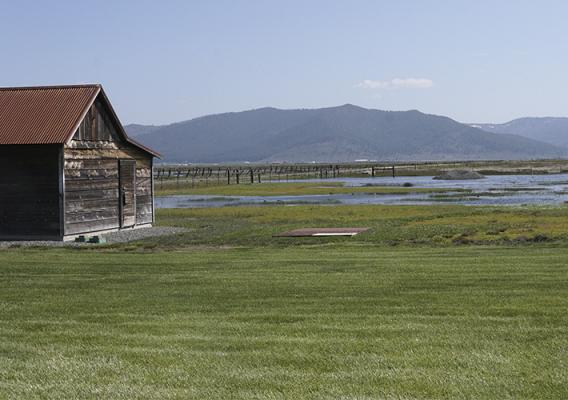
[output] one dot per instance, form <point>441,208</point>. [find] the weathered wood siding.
<point>127,177</point>
<point>29,192</point>
<point>92,192</point>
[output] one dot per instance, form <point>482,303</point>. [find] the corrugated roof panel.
<point>43,115</point>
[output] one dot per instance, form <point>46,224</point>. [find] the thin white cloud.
<point>396,83</point>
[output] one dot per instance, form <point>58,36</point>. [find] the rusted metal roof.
<point>49,114</point>
<point>43,115</point>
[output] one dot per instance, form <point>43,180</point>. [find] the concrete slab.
<point>310,232</point>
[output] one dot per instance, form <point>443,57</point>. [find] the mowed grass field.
<point>225,311</point>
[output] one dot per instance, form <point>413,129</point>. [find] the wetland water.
<point>492,190</point>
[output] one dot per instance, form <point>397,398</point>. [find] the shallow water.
<point>557,182</point>
<point>492,190</point>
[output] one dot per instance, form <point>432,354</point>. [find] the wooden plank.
<point>143,173</point>
<point>94,183</point>
<point>13,175</point>
<point>29,214</point>
<point>142,192</point>
<point>144,208</point>
<point>144,219</point>
<point>90,173</point>
<point>322,232</point>
<point>86,227</point>
<point>98,163</point>
<point>91,216</point>
<point>143,181</point>
<point>95,204</point>
<point>29,191</point>
<point>127,192</point>
<point>93,195</point>
<point>28,187</point>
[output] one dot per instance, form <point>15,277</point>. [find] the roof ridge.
<point>78,86</point>
<point>51,114</point>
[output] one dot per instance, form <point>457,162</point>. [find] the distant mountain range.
<point>551,130</point>
<point>345,133</point>
<point>138,130</point>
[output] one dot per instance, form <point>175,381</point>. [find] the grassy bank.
<point>436,225</point>
<point>287,189</point>
<point>295,322</point>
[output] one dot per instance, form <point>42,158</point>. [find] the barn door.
<point>127,179</point>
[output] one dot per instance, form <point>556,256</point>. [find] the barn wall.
<point>29,192</point>
<point>92,176</point>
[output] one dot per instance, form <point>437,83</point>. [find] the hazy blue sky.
<point>166,61</point>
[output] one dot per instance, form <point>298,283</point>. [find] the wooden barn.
<point>67,167</point>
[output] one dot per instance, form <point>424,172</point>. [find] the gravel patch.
<point>111,237</point>
<point>143,233</point>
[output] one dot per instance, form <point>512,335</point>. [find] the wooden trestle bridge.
<point>258,173</point>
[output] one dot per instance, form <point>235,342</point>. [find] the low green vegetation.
<point>440,301</point>
<point>274,323</point>
<point>286,189</point>
<point>428,225</point>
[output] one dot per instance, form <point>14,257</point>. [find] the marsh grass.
<point>457,197</point>
<point>288,189</point>
<point>429,225</point>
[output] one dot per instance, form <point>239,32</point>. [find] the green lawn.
<point>432,302</point>
<point>295,323</point>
